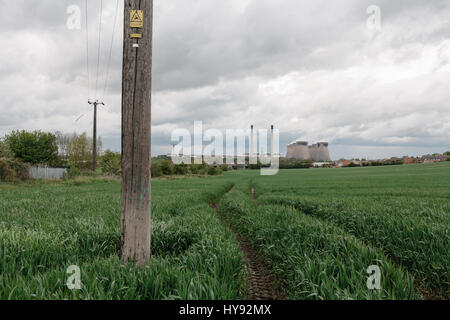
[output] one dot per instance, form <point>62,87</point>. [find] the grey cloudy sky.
<point>312,68</point>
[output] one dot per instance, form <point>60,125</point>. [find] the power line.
<point>87,50</point>
<point>110,49</point>
<point>106,108</point>
<point>79,117</point>
<point>99,44</point>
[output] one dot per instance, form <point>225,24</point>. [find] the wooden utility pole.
<point>136,130</point>
<point>94,135</point>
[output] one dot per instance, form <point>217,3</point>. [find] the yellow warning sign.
<point>136,36</point>
<point>137,19</point>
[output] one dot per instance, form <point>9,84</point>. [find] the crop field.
<point>317,231</point>
<point>401,213</point>
<point>45,229</point>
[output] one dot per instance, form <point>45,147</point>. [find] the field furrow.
<point>411,231</point>
<point>313,259</point>
<point>45,229</point>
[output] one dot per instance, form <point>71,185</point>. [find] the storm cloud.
<point>313,68</point>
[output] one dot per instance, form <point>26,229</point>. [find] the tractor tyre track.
<point>262,283</point>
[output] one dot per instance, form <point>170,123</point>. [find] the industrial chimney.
<point>271,141</point>
<point>251,143</point>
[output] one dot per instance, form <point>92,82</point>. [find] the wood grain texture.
<point>136,132</point>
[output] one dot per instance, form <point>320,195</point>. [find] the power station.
<point>253,143</point>
<point>300,150</point>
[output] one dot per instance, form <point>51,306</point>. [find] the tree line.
<point>21,149</point>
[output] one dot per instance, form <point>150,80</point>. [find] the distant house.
<point>321,164</point>
<point>343,163</point>
<point>410,160</point>
<point>429,158</point>
<point>433,158</point>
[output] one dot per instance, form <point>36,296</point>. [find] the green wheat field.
<point>317,230</point>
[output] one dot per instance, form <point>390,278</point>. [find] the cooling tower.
<point>298,150</point>
<point>322,152</point>
<point>313,152</point>
<point>301,151</point>
<point>290,151</point>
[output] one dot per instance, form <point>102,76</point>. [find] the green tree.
<point>5,151</point>
<point>112,162</point>
<point>6,172</point>
<point>35,147</point>
<point>194,168</point>
<point>62,141</point>
<point>180,169</point>
<point>447,153</point>
<point>79,151</point>
<point>156,169</point>
<point>13,169</point>
<point>212,171</point>
<point>167,167</point>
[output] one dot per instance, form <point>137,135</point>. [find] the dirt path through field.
<point>262,283</point>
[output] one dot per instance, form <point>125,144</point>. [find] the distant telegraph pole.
<point>94,135</point>
<point>136,131</point>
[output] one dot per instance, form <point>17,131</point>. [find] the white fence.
<point>47,173</point>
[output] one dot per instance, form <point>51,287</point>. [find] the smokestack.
<point>271,141</point>
<point>251,143</point>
